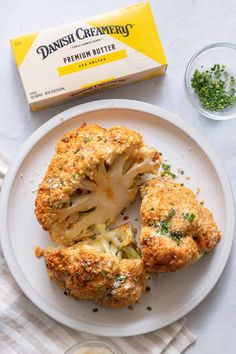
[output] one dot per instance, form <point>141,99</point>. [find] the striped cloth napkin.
<point>26,329</point>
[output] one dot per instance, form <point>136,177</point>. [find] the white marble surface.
<point>184,27</point>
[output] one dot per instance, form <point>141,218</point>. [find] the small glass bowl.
<point>219,53</point>
<point>89,344</point>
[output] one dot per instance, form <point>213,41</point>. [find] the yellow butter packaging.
<point>80,58</point>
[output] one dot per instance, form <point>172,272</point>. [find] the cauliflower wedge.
<point>93,175</point>
<point>176,229</point>
<point>106,268</point>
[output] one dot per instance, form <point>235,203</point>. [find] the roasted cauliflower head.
<point>93,175</point>
<point>106,268</point>
<point>176,229</point>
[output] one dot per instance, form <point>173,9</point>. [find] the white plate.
<point>172,295</point>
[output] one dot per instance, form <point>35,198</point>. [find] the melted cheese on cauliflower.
<point>106,268</point>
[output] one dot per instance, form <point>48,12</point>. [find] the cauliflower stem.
<point>101,200</point>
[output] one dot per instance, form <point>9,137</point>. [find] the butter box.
<point>80,58</point>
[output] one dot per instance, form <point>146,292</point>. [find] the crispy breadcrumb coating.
<point>38,252</point>
<point>176,229</point>
<point>93,175</point>
<point>106,268</point>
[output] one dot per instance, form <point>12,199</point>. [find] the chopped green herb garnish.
<point>84,266</point>
<point>171,214</point>
<point>215,88</point>
<point>152,209</point>
<point>189,217</point>
<point>119,277</point>
<point>76,151</point>
<point>100,286</point>
<point>176,236</point>
<point>166,167</point>
<point>86,139</point>
<point>167,170</point>
<point>232,80</point>
<point>77,175</point>
<point>99,138</point>
<point>93,237</point>
<point>163,227</point>
<point>149,308</point>
<point>60,167</point>
<point>105,272</point>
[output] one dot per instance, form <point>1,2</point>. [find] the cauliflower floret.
<point>106,268</point>
<point>176,229</point>
<point>93,175</point>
